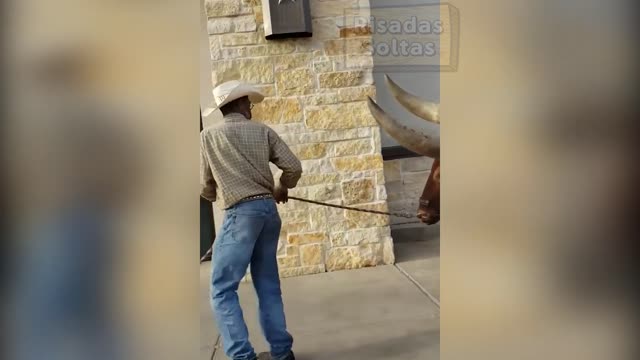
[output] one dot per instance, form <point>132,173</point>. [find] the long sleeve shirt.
<point>235,157</point>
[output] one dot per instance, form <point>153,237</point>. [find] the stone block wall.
<point>405,181</point>
<point>316,92</point>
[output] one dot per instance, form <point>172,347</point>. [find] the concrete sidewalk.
<point>388,312</point>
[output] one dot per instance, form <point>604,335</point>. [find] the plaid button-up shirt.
<point>235,157</point>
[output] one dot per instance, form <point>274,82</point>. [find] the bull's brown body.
<point>429,209</point>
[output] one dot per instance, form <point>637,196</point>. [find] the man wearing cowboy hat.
<point>235,173</point>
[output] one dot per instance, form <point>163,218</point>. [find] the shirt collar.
<point>234,117</point>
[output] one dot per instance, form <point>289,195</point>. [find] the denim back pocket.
<point>227,229</point>
<point>229,220</point>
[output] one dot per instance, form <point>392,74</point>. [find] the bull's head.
<point>429,210</point>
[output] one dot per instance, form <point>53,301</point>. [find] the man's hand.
<point>281,194</point>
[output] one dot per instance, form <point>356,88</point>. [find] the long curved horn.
<point>408,138</point>
<point>424,109</point>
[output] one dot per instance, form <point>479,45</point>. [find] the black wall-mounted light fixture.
<point>285,19</point>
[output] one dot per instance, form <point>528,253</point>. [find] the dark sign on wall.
<point>286,19</point>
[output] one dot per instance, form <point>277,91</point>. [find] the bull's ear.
<point>421,108</point>
<point>408,138</point>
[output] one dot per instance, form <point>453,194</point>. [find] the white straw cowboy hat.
<point>233,90</point>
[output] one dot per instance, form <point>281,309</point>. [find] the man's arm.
<point>285,160</point>
<point>207,182</point>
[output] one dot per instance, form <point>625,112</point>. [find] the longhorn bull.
<point>429,208</point>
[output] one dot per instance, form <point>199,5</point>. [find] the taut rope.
<point>402,215</point>
<point>395,214</point>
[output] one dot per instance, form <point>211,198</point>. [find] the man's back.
<point>237,153</point>
<point>235,172</point>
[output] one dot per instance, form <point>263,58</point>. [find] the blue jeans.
<point>249,236</point>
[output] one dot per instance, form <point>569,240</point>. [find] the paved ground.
<point>418,255</point>
<point>388,312</point>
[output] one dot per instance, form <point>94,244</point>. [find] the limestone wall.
<point>316,90</point>
<point>405,181</point>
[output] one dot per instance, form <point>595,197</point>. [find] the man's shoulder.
<point>211,129</point>
<point>207,134</point>
<point>204,133</point>
<point>256,124</point>
<point>262,125</point>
